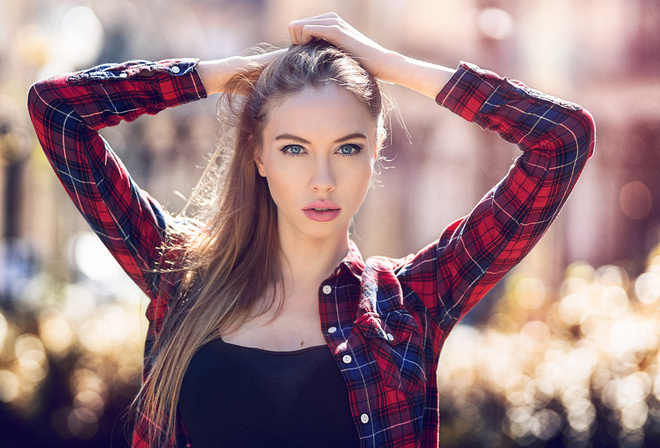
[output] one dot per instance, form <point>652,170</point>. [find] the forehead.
<point>315,110</point>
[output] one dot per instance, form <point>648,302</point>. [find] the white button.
<point>175,69</point>
<point>347,359</point>
<point>390,337</point>
<point>364,418</point>
<point>327,289</point>
<point>332,330</point>
<point>123,75</point>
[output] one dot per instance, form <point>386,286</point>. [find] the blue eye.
<point>349,150</point>
<point>294,150</point>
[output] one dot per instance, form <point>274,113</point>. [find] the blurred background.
<point>564,352</point>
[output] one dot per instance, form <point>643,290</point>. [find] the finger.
<point>327,15</point>
<point>331,33</point>
<point>296,27</point>
<point>294,33</point>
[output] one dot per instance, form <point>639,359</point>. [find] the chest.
<point>258,398</point>
<point>296,325</point>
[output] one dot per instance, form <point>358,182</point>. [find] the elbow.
<point>577,139</point>
<point>37,106</point>
<point>589,128</point>
<point>36,100</point>
<point>32,97</point>
<point>34,93</point>
<point>585,131</point>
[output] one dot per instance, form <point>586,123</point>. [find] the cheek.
<point>281,184</point>
<point>358,179</point>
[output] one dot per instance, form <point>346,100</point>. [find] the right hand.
<point>215,74</point>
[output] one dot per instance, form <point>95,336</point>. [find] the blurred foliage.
<point>576,367</point>
<point>70,363</point>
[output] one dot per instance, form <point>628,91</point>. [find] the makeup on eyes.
<point>298,149</point>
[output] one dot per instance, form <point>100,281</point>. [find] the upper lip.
<point>322,205</point>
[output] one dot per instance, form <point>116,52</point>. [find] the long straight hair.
<point>231,265</point>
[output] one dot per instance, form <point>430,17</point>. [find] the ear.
<point>375,153</point>
<point>381,135</point>
<point>260,166</point>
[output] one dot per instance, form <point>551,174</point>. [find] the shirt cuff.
<point>178,79</point>
<point>467,90</point>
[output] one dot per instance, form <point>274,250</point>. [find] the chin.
<point>325,230</point>
<point>325,234</point>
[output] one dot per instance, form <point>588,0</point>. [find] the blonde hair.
<point>232,267</point>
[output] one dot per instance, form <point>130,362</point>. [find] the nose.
<point>323,179</point>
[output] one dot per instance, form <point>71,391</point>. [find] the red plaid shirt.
<point>385,320</point>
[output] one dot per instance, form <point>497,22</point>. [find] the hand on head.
<point>340,33</point>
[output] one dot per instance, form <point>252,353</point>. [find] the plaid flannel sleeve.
<point>67,112</point>
<point>472,254</point>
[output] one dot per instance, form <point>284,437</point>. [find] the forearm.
<point>103,96</point>
<point>475,252</point>
<point>389,66</point>
<point>423,77</point>
<point>534,121</point>
<point>68,110</point>
<point>216,73</point>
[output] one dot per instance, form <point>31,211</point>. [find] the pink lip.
<point>322,211</point>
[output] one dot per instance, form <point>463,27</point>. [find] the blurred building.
<point>599,54</point>
<point>603,54</point>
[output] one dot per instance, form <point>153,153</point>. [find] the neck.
<point>307,262</point>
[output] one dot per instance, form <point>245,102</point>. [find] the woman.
<point>267,328</point>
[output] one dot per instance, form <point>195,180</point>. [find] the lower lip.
<point>321,216</point>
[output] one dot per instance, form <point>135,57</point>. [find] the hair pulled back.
<point>231,264</point>
<point>314,65</point>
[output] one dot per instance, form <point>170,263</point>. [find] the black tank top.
<point>234,396</point>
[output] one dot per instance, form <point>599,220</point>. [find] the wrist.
<point>216,73</point>
<point>423,77</point>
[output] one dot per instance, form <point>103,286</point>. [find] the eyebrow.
<point>295,138</point>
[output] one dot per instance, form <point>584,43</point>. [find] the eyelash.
<point>356,150</point>
<point>286,150</point>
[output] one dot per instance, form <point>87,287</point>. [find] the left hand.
<point>386,65</point>
<point>340,33</point>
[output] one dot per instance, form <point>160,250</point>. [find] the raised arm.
<point>556,137</point>
<point>216,73</point>
<point>67,112</point>
<point>384,64</point>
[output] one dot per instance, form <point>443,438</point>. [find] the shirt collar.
<point>353,260</point>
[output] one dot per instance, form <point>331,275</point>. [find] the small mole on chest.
<point>302,343</point>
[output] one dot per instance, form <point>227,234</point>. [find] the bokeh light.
<point>495,23</point>
<point>587,371</point>
<point>558,358</point>
<point>635,200</point>
<point>9,386</point>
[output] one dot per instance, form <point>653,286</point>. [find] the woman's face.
<point>319,148</point>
